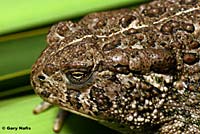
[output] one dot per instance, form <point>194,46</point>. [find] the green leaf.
<point>21,52</point>
<point>22,14</point>
<point>17,54</point>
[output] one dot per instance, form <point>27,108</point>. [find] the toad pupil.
<point>76,77</point>
<point>132,70</point>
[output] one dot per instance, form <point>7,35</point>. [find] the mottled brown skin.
<point>134,70</point>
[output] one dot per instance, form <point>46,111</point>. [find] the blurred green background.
<point>23,28</point>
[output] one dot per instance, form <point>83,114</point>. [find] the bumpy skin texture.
<point>134,70</point>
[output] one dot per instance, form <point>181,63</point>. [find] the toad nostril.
<point>41,77</point>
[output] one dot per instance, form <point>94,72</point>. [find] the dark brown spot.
<point>52,39</point>
<point>198,89</point>
<point>163,44</point>
<point>45,94</point>
<point>188,2</point>
<point>108,47</point>
<point>50,69</point>
<point>189,28</point>
<point>62,28</point>
<point>112,45</point>
<point>72,96</point>
<point>130,31</point>
<point>194,45</point>
<point>174,24</point>
<point>191,87</point>
<point>156,91</point>
<point>176,44</point>
<point>98,96</point>
<point>139,37</point>
<point>154,12</point>
<point>190,58</point>
<point>166,29</point>
<point>196,69</point>
<point>126,21</point>
<point>100,24</point>
<point>122,69</point>
<point>145,86</point>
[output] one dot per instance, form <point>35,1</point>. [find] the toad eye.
<point>78,76</point>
